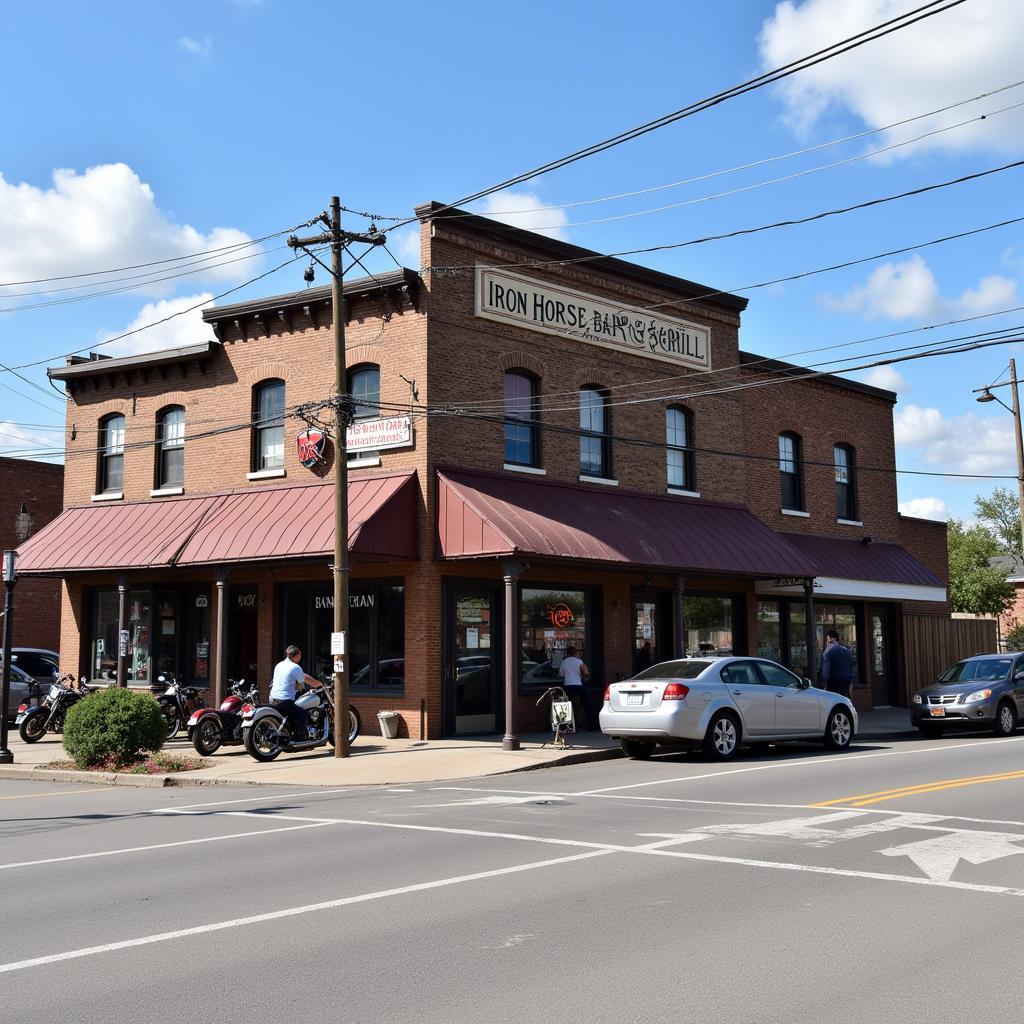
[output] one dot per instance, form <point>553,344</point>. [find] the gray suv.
<point>983,692</point>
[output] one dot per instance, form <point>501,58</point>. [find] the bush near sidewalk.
<point>113,726</point>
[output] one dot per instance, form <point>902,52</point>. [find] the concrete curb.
<point>579,757</point>
<point>908,734</point>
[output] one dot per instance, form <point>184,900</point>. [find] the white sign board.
<point>551,309</point>
<point>337,643</point>
<point>373,435</point>
<point>339,664</point>
<point>472,638</point>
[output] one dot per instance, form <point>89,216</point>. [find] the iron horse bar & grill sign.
<point>567,313</point>
<point>372,435</point>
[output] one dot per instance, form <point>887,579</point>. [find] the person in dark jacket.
<point>837,665</point>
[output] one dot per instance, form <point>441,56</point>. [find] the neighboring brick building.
<point>37,490</point>
<point>569,438</point>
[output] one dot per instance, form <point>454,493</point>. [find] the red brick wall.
<point>925,539</point>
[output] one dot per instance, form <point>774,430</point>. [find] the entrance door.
<point>652,629</point>
<point>879,634</point>
<point>243,631</point>
<point>474,661</point>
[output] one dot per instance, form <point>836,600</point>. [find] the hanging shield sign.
<point>310,444</point>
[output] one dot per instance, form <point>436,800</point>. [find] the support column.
<point>811,633</point>
<point>679,618</point>
<point>122,629</point>
<point>511,571</point>
<point>219,659</point>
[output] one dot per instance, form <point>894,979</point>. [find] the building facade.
<point>548,448</point>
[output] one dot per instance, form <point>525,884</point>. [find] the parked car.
<point>24,690</point>
<point>719,704</point>
<point>983,692</point>
<point>41,664</point>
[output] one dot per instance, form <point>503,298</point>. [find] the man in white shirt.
<point>573,672</point>
<point>288,676</point>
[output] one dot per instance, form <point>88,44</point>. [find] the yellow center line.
<point>864,799</point>
<point>64,792</point>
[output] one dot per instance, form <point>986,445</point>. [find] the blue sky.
<point>136,132</point>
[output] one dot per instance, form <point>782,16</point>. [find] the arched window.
<point>595,442</point>
<point>170,453</point>
<point>791,472</point>
<point>679,448</point>
<point>268,425</point>
<point>364,387</point>
<point>522,441</point>
<point>111,449</point>
<point>844,457</point>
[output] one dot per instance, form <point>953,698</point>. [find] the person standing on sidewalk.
<point>573,672</point>
<point>837,665</point>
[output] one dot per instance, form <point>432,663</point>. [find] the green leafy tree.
<point>974,586</point>
<point>1000,513</point>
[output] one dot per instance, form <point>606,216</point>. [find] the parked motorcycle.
<point>35,722</point>
<point>209,729</point>
<point>266,732</point>
<point>177,703</point>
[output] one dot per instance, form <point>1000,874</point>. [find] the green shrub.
<point>1015,636</point>
<point>113,724</point>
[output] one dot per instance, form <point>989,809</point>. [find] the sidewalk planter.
<point>389,722</point>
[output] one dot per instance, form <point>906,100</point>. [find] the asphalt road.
<point>884,884</point>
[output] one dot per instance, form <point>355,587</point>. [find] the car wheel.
<point>1006,720</point>
<point>722,739</point>
<point>638,750</point>
<point>931,732</point>
<point>839,730</point>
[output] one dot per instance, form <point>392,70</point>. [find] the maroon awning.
<point>264,524</point>
<point>481,514</point>
<point>881,561</point>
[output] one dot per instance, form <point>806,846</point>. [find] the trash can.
<point>388,724</point>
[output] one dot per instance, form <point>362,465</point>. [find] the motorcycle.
<point>177,704</point>
<point>266,732</point>
<point>35,722</point>
<point>209,729</point>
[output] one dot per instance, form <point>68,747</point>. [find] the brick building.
<point>548,448</point>
<point>32,495</point>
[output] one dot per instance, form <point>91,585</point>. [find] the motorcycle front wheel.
<point>170,713</point>
<point>260,739</point>
<point>206,737</point>
<point>32,728</point>
<point>354,725</point>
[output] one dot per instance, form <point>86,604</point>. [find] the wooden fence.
<point>931,643</point>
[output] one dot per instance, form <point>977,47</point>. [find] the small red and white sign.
<point>372,435</point>
<point>310,444</point>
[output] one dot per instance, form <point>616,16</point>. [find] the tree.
<point>1014,638</point>
<point>1001,514</point>
<point>974,585</point>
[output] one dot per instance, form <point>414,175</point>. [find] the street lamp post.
<point>987,396</point>
<point>10,578</point>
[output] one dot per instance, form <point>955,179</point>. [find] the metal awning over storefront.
<point>873,570</point>
<point>485,514</point>
<point>266,524</point>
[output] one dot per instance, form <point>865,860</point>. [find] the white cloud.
<point>14,439</point>
<point>525,210</point>
<point>958,444</point>
<point>960,53</point>
<point>908,291</point>
<point>183,329</point>
<point>196,47</point>
<point>405,244</point>
<point>925,508</point>
<point>102,218</point>
<point>888,378</point>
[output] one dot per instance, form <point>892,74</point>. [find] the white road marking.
<point>491,800</point>
<point>276,915</point>
<point>161,846</point>
<point>809,829</point>
<point>250,814</point>
<point>401,790</point>
<point>262,798</point>
<point>938,857</point>
<point>669,839</point>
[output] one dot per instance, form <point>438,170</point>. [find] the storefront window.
<point>103,644</point>
<point>843,619</point>
<point>551,621</point>
<point>709,625</point>
<point>769,630</point>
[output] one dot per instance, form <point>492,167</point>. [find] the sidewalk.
<point>885,724</point>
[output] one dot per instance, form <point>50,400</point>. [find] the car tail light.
<point>607,694</point>
<point>675,691</point>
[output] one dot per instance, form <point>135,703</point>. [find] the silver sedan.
<point>719,703</point>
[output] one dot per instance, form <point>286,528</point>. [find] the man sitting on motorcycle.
<point>288,676</point>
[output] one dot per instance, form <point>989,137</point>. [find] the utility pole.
<point>337,238</point>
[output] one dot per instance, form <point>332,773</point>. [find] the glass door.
<point>879,619</point>
<point>474,662</point>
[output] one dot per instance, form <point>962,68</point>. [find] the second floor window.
<point>790,472</point>
<point>268,425</point>
<point>679,451</point>
<point>364,389</point>
<point>111,468</point>
<point>521,441</point>
<point>595,447</point>
<point>846,482</point>
<point>170,470</point>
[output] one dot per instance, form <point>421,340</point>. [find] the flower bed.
<point>153,764</point>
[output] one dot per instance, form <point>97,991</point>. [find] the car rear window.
<point>674,670</point>
<point>990,670</point>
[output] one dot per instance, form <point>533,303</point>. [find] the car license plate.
<point>938,712</point>
<point>634,698</point>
